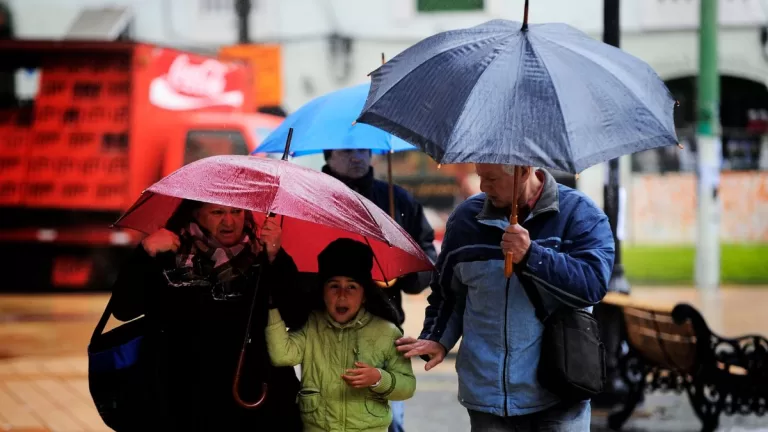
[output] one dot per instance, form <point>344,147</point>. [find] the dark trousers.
<point>559,418</point>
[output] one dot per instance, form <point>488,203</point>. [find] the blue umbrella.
<point>507,93</point>
<point>502,92</point>
<point>326,123</point>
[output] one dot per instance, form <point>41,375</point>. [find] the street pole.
<point>709,153</point>
<point>610,317</point>
<point>243,10</point>
<point>618,282</point>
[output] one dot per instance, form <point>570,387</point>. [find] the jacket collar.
<point>548,201</point>
<point>362,318</point>
<point>362,185</point>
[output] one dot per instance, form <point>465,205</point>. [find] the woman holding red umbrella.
<point>195,279</point>
<point>207,286</point>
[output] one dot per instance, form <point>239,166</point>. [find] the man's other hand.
<point>411,347</point>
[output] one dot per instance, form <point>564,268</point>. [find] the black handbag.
<point>572,361</point>
<point>124,372</point>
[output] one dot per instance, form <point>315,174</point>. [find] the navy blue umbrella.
<point>503,92</point>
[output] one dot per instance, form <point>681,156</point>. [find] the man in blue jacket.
<point>353,168</point>
<point>563,247</point>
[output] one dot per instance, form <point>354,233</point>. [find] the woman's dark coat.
<point>203,342</point>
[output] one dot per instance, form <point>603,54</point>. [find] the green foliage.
<point>672,265</point>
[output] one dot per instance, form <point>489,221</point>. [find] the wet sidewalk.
<point>732,311</point>
<point>44,387</point>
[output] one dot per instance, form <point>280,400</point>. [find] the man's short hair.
<point>510,169</point>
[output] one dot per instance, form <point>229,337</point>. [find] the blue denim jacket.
<point>569,262</point>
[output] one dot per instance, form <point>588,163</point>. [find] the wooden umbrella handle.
<point>509,266</point>
<point>236,387</point>
<point>246,341</point>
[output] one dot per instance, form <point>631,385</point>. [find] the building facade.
<point>329,44</point>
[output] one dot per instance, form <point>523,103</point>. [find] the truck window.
<point>204,143</point>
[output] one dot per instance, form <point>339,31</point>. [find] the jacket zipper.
<point>506,348</point>
<point>506,340</point>
<point>506,306</point>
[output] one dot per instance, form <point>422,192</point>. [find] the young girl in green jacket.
<point>350,367</point>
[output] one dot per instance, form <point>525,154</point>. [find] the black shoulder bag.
<point>572,362</point>
<point>123,372</point>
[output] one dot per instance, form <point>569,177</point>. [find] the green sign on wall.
<point>449,5</point>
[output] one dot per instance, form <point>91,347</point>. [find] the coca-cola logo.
<point>189,86</point>
<point>208,78</point>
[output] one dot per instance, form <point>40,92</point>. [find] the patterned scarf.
<point>203,260</point>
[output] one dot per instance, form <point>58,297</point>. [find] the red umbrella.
<point>315,209</point>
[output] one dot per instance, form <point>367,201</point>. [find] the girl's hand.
<point>161,241</point>
<point>363,376</point>
<point>388,284</point>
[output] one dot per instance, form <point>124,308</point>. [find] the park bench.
<point>673,349</point>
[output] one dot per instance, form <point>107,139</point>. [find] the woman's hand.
<point>362,376</point>
<point>161,241</point>
<point>272,238</point>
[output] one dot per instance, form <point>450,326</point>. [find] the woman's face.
<point>224,223</point>
<point>343,298</point>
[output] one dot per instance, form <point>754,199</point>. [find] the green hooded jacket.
<point>326,349</point>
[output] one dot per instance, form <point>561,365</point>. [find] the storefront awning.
<point>101,24</point>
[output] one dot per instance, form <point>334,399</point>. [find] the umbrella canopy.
<point>315,209</point>
<point>504,92</point>
<point>326,123</point>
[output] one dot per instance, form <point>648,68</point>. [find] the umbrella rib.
<point>277,190</point>
<point>381,269</point>
<point>394,84</point>
<point>635,96</point>
<point>381,229</point>
<point>497,51</point>
<point>557,99</point>
<point>470,30</point>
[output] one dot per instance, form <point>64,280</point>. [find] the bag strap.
<point>103,320</point>
<point>535,297</point>
<point>102,324</point>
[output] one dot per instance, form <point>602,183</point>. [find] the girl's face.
<point>343,298</point>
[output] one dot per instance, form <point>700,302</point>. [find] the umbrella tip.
<point>577,176</point>
<point>286,152</point>
<point>525,17</point>
<point>383,59</point>
<point>354,122</point>
<point>680,146</point>
<point>439,166</point>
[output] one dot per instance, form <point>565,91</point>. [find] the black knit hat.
<point>346,257</point>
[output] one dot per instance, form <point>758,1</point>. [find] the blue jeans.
<point>398,416</point>
<point>560,418</point>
